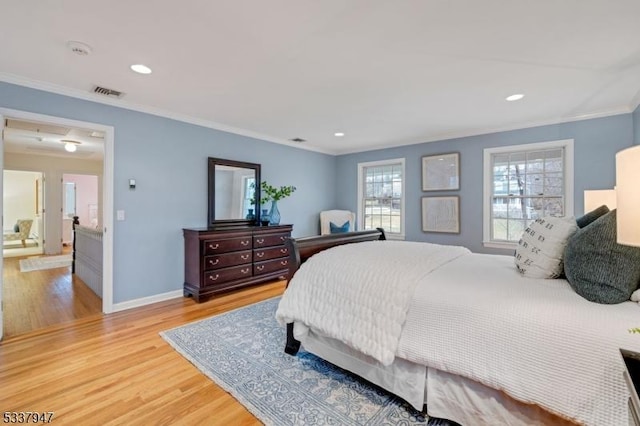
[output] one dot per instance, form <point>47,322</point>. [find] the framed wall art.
<point>441,214</point>
<point>441,172</point>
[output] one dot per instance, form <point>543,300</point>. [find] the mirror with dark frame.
<point>232,192</point>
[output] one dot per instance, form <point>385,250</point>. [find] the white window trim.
<point>567,144</point>
<point>360,221</point>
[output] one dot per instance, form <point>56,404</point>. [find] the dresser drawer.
<point>226,274</point>
<point>225,260</point>
<point>260,255</point>
<point>269,240</point>
<point>222,257</point>
<point>226,245</point>
<point>270,266</point>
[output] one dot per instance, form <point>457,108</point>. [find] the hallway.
<point>38,299</point>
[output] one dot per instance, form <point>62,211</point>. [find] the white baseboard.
<point>136,303</point>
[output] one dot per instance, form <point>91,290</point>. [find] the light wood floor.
<point>115,369</point>
<point>38,299</point>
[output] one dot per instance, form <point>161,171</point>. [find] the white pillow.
<point>541,248</point>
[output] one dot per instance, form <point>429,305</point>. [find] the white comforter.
<point>362,302</point>
<point>474,315</point>
<point>535,339</point>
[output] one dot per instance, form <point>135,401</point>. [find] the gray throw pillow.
<point>591,216</point>
<point>16,228</point>
<point>597,267</point>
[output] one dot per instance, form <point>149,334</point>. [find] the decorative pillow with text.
<point>540,251</point>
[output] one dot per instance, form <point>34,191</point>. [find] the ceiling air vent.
<point>298,140</point>
<point>107,92</point>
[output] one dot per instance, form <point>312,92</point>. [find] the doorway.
<point>53,178</point>
<point>22,213</point>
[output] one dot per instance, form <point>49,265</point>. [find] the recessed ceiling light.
<point>141,69</point>
<point>338,134</point>
<point>515,97</point>
<point>70,146</point>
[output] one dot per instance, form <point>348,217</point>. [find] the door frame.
<point>107,193</point>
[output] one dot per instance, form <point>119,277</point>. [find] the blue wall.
<point>595,144</point>
<point>168,159</point>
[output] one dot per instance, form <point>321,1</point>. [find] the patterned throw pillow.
<point>541,249</point>
<point>597,267</point>
<point>335,229</point>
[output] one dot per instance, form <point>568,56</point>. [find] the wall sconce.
<point>628,196</point>
<point>594,198</point>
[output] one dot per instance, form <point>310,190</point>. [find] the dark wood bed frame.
<point>301,249</point>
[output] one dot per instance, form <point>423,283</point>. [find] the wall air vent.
<point>107,92</point>
<point>298,140</point>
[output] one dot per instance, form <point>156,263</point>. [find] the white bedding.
<point>474,316</point>
<point>535,339</point>
<point>364,302</point>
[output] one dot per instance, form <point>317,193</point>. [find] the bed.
<point>469,337</point>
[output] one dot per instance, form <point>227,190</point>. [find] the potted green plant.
<point>274,194</point>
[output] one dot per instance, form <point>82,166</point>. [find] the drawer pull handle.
<point>244,243</point>
<point>244,256</point>
<point>283,251</point>
<point>260,254</point>
<point>281,238</point>
<point>214,262</point>
<point>212,247</point>
<point>213,278</point>
<point>260,240</point>
<point>245,270</point>
<point>283,262</point>
<point>260,267</point>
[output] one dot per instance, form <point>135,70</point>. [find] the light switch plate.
<point>120,215</point>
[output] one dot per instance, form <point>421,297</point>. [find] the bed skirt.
<point>445,395</point>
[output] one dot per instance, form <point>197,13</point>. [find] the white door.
<point>40,210</point>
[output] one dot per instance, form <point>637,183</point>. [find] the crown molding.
<point>120,103</point>
<point>485,131</point>
<point>88,96</point>
<point>635,101</point>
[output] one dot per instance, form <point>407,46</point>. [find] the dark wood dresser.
<point>224,258</point>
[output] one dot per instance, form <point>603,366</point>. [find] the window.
<point>522,183</point>
<point>248,192</point>
<point>381,197</point>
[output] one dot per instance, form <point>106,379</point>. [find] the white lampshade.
<point>628,196</point>
<point>594,198</point>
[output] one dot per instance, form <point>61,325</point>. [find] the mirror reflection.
<point>234,192</point>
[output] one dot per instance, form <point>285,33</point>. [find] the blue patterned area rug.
<point>243,352</point>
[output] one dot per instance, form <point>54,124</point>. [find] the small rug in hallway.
<point>45,262</point>
<point>243,352</point>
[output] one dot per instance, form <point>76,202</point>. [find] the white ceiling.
<point>45,139</point>
<point>384,72</point>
